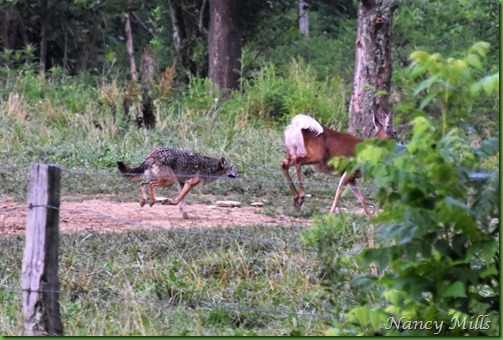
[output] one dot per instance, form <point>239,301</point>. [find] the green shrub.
<point>438,226</point>
<point>455,90</point>
<point>274,97</point>
<point>437,233</point>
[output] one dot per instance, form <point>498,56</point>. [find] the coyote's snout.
<point>164,167</point>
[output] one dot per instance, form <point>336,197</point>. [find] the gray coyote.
<point>164,167</point>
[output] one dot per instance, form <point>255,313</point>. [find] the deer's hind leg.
<point>359,195</point>
<point>350,179</point>
<point>345,179</point>
<point>285,165</point>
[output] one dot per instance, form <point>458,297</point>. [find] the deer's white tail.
<point>294,141</point>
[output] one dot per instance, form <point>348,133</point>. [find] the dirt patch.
<point>103,215</point>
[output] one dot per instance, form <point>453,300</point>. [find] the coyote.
<point>164,166</point>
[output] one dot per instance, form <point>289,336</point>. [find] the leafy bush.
<point>445,82</point>
<point>438,236</point>
<point>438,228</point>
<point>270,96</point>
<point>454,90</point>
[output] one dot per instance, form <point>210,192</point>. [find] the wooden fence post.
<point>39,278</point>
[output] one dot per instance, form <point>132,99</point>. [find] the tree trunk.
<point>43,38</point>
<point>89,45</point>
<point>369,104</point>
<point>180,38</point>
<point>130,49</point>
<point>303,19</point>
<point>65,48</point>
<point>224,43</point>
<point>6,15</point>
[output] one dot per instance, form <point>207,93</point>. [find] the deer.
<point>307,142</point>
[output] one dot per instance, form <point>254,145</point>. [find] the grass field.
<point>255,280</point>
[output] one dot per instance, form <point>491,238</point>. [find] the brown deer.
<point>309,142</point>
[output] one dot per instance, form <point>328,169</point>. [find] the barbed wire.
<point>241,179</point>
<point>306,311</point>
<point>278,312</point>
<point>168,229</point>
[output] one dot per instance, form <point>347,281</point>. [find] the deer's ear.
<point>223,162</point>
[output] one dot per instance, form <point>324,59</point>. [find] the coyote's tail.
<point>131,173</point>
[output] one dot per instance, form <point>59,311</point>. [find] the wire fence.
<point>308,311</point>
<point>278,312</point>
<point>280,181</point>
<point>164,228</point>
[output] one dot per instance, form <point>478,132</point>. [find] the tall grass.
<point>81,125</point>
<point>165,283</point>
<point>157,282</point>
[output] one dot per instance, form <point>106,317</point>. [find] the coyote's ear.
<point>223,162</point>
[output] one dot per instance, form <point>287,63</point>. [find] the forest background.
<point>86,83</point>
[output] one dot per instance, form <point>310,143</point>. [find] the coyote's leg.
<point>185,190</point>
<point>181,205</point>
<point>152,186</point>
<point>163,182</point>
<point>285,165</point>
<point>143,191</point>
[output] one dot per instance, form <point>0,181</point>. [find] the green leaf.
<point>474,61</point>
<point>372,154</point>
<point>420,56</point>
<point>490,271</point>
<point>475,88</point>
<point>490,84</point>
<point>417,71</point>
<point>427,100</point>
<point>489,250</point>
<point>457,289</point>
<point>480,48</point>
<point>361,314</point>
<point>426,84</point>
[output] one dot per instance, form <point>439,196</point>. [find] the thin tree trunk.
<point>92,36</point>
<point>203,19</point>
<point>369,104</point>
<point>224,43</point>
<point>130,49</point>
<point>180,37</point>
<point>65,48</point>
<point>5,18</point>
<point>43,38</point>
<point>303,19</point>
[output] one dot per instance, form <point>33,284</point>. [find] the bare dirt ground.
<point>102,215</point>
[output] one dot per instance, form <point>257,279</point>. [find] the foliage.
<point>446,27</point>
<point>438,236</point>
<point>438,229</point>
<point>276,97</point>
<point>335,61</point>
<point>444,82</point>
